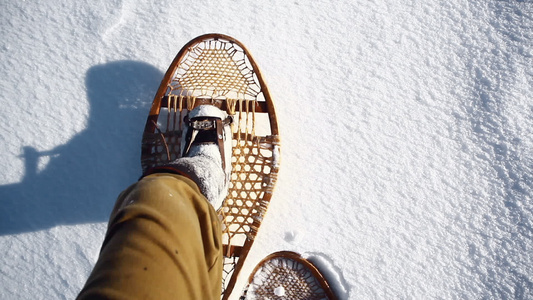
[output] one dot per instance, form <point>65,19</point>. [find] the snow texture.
<point>407,142</point>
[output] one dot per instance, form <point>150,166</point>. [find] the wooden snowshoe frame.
<point>287,275</point>
<point>217,69</point>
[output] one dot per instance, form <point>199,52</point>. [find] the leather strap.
<point>220,137</point>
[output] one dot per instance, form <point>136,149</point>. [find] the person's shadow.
<point>84,176</point>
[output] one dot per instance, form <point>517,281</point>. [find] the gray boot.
<point>206,152</point>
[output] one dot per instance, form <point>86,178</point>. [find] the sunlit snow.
<point>406,163</point>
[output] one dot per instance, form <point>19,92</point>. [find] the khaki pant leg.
<point>163,242</point>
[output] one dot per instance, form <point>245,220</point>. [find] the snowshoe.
<point>286,275</point>
<point>216,69</point>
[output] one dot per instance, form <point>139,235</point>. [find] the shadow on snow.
<point>84,176</point>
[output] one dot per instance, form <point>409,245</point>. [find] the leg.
<point>163,242</point>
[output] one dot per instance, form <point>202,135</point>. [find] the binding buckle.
<point>203,124</point>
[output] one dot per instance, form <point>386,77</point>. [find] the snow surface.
<point>407,143</point>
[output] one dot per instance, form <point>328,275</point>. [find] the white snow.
<point>407,140</point>
<point>279,291</point>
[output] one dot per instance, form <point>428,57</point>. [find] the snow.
<point>407,143</point>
